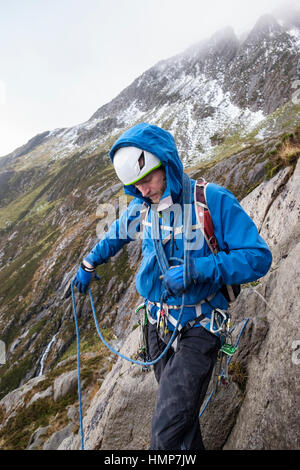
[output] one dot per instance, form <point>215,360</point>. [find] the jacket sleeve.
<point>244,256</point>
<point>122,231</point>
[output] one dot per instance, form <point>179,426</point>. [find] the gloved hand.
<point>83,278</point>
<point>173,280</point>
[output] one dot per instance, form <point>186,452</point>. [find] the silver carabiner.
<point>213,319</point>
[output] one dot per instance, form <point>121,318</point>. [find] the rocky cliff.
<point>234,114</point>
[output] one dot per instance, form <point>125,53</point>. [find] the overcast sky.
<point>60,60</point>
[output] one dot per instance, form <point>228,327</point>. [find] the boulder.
<point>36,439</point>
<point>64,384</point>
<point>40,395</point>
<point>54,441</point>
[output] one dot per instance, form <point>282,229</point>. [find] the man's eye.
<point>145,181</point>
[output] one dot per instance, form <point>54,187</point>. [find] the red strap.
<point>204,216</point>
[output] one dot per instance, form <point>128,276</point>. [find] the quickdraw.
<point>220,375</point>
<point>143,352</point>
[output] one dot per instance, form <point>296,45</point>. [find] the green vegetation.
<point>250,284</point>
<point>13,376</point>
<point>15,278</point>
<point>89,342</point>
<point>231,145</point>
<point>238,374</point>
<point>16,433</point>
<point>121,269</point>
<point>286,153</point>
<point>16,209</point>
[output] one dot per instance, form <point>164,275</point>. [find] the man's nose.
<point>144,188</point>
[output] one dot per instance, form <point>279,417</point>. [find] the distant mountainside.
<point>215,90</point>
<point>233,107</point>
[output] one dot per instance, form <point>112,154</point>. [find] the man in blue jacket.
<point>146,160</point>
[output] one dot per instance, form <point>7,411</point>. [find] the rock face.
<point>119,416</point>
<point>265,415</point>
<point>260,407</point>
<point>269,416</point>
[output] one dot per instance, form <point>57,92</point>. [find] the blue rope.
<point>78,367</point>
<point>206,403</point>
<point>187,224</point>
<point>239,336</point>
<point>133,361</point>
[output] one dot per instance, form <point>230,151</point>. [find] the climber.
<point>146,160</point>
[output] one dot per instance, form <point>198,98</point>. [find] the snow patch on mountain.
<point>205,98</point>
<point>295,35</point>
<point>131,115</point>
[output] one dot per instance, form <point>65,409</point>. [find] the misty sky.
<point>60,60</point>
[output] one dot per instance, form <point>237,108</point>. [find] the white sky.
<point>60,60</point>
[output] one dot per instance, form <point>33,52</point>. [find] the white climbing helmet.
<point>132,164</point>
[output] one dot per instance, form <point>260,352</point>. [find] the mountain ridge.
<point>221,59</point>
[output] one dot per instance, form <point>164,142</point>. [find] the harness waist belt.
<point>173,320</point>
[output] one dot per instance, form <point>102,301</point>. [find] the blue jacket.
<point>244,255</point>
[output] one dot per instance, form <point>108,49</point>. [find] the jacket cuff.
<point>90,259</point>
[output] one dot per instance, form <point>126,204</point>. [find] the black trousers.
<point>183,378</point>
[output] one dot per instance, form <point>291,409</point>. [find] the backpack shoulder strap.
<point>203,215</point>
<point>206,226</point>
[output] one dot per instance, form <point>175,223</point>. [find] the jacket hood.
<point>161,143</point>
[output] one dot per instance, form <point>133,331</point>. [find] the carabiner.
<point>215,312</point>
